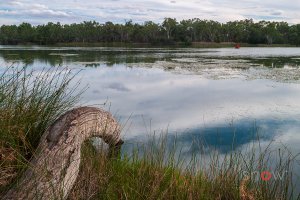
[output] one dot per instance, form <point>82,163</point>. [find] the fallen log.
<point>55,165</point>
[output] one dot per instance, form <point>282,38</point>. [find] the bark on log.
<point>55,166</point>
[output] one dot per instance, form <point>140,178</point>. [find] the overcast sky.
<point>70,11</point>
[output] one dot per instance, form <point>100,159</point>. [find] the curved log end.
<point>55,166</point>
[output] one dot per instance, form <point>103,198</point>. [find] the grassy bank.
<point>157,171</point>
<point>153,170</point>
<point>29,102</point>
<point>159,45</point>
<point>166,45</point>
<point>149,45</point>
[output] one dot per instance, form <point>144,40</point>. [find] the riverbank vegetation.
<point>155,169</point>
<point>29,102</point>
<point>170,32</point>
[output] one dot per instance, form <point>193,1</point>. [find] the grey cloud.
<point>8,12</point>
<point>16,3</point>
<point>35,13</point>
<point>138,14</point>
<point>155,10</point>
<point>276,13</point>
<point>39,6</point>
<point>22,9</point>
<point>48,12</point>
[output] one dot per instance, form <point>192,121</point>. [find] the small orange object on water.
<point>237,45</point>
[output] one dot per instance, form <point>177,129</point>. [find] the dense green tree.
<point>50,33</point>
<point>169,31</point>
<point>152,31</point>
<point>26,32</point>
<point>237,31</point>
<point>283,33</point>
<point>185,31</point>
<point>256,35</point>
<point>199,26</point>
<point>294,34</point>
<point>9,34</point>
<point>169,26</point>
<point>269,30</point>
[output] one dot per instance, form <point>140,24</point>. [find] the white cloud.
<point>16,3</point>
<point>69,11</point>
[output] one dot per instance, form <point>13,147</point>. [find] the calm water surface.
<point>212,94</point>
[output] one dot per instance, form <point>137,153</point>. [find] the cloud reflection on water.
<point>186,104</point>
<point>191,105</point>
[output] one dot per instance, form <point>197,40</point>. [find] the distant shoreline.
<point>150,45</point>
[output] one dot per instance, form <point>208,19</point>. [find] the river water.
<point>216,95</point>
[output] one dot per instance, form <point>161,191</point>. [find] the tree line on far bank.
<point>168,32</point>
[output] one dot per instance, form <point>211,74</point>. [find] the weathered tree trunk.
<point>55,166</point>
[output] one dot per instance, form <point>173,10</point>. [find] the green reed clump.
<point>29,102</point>
<point>159,170</point>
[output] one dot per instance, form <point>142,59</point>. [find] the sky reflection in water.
<point>149,88</point>
<point>196,107</point>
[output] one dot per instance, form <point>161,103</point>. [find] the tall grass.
<point>29,102</point>
<point>158,170</point>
